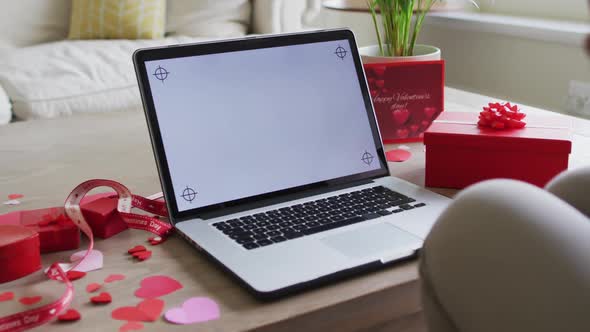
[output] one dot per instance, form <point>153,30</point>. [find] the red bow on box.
<point>501,116</point>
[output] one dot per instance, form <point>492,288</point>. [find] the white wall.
<point>561,9</point>
<point>521,69</point>
<point>524,70</point>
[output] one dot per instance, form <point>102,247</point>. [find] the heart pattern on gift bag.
<point>407,97</point>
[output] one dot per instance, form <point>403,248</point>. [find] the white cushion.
<point>206,18</point>
<point>5,108</point>
<point>29,22</point>
<point>66,77</point>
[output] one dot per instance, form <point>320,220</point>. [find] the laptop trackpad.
<point>372,240</point>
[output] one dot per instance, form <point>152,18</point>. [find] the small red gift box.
<point>56,231</point>
<point>459,153</point>
<point>102,216</point>
<point>407,97</point>
<point>19,252</point>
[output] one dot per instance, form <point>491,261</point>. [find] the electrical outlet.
<point>578,101</point>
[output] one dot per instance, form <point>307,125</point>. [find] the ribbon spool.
<point>38,316</point>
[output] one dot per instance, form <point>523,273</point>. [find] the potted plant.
<point>401,23</point>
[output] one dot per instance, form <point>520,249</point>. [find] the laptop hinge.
<point>278,200</point>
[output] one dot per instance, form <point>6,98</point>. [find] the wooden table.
<point>45,159</point>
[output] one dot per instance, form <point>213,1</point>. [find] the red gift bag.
<point>407,97</point>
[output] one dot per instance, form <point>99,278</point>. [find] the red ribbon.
<point>35,317</point>
<point>501,117</point>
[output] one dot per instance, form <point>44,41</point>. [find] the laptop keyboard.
<point>263,229</point>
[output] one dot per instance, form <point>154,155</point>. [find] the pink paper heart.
<point>398,155</point>
<point>156,286</point>
<point>194,310</point>
<point>94,260</point>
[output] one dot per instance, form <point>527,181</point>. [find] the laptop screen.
<point>244,123</point>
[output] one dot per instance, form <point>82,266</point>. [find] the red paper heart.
<point>102,298</point>
<point>425,124</point>
<point>114,277</point>
<point>129,314</point>
<point>148,310</point>
<point>69,316</point>
<point>15,196</point>
<point>154,241</point>
<point>429,112</point>
<point>401,116</point>
<point>374,93</point>
<point>93,287</point>
<point>156,286</point>
<point>414,128</point>
<point>30,300</point>
<point>402,133</point>
<point>152,308</point>
<point>142,255</point>
<point>131,326</point>
<point>136,249</point>
<point>75,275</point>
<point>6,296</point>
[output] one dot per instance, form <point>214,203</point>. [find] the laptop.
<point>271,161</point>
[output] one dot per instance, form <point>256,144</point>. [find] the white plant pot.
<point>371,54</point>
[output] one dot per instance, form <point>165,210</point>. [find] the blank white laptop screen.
<point>245,123</point>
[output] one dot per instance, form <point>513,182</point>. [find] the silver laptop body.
<point>271,161</point>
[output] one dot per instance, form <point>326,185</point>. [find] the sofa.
<point>45,75</point>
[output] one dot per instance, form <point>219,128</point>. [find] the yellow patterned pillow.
<point>117,19</point>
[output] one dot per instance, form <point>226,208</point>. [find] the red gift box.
<point>102,216</point>
<point>19,252</point>
<point>459,153</point>
<point>56,231</point>
<point>407,97</point>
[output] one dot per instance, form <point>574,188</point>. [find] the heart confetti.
<point>69,316</point>
<point>398,155</point>
<point>93,287</point>
<point>154,241</point>
<point>102,298</point>
<point>148,310</point>
<point>6,296</point>
<point>142,255</point>
<point>30,300</point>
<point>501,116</point>
<point>114,277</point>
<point>94,260</point>
<point>15,196</point>
<point>131,326</point>
<point>156,286</point>
<point>194,310</point>
<point>75,275</point>
<point>136,249</point>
